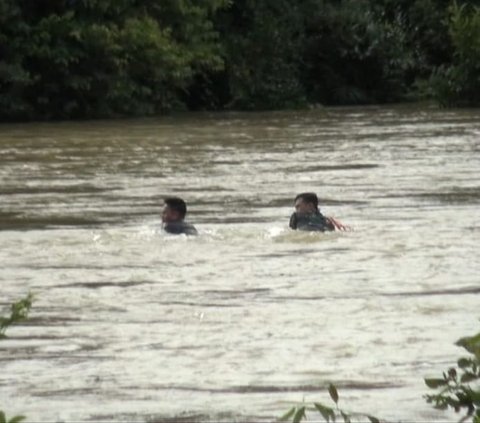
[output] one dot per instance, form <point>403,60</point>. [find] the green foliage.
<point>459,390</point>
<point>329,414</point>
<point>92,58</point>
<point>354,55</point>
<point>68,59</point>
<point>458,83</point>
<point>262,42</point>
<point>15,419</point>
<point>19,311</point>
<point>281,54</point>
<point>455,385</point>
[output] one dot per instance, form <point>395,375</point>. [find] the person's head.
<point>307,202</point>
<point>174,210</point>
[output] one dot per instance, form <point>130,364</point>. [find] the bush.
<point>456,390</point>
<point>19,311</point>
<point>458,84</point>
<point>355,55</point>
<point>90,58</point>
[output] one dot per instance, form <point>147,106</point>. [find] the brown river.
<point>249,318</point>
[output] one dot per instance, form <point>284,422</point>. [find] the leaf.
<point>435,383</point>
<point>287,416</point>
<point>373,419</point>
<point>17,419</point>
<point>475,397</point>
<point>346,417</point>
<point>468,377</point>
<point>326,412</point>
<point>476,419</point>
<point>3,419</point>
<point>464,362</point>
<point>299,415</point>
<point>470,343</point>
<point>332,390</point>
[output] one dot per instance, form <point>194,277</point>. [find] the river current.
<point>249,318</point>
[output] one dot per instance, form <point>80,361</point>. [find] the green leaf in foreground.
<point>299,415</point>
<point>332,390</point>
<point>326,412</point>
<point>373,419</point>
<point>464,363</point>
<point>287,416</point>
<point>346,417</point>
<point>15,419</point>
<point>471,344</point>
<point>468,377</point>
<point>19,312</point>
<point>476,419</point>
<point>435,383</point>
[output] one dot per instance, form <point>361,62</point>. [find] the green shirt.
<point>312,222</point>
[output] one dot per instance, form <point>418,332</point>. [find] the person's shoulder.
<point>190,229</point>
<point>179,228</point>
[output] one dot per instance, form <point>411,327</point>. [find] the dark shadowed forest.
<point>75,59</point>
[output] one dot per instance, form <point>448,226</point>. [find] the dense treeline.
<point>101,58</point>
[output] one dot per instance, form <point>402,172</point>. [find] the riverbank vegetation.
<point>458,389</point>
<point>63,59</point>
<point>18,312</point>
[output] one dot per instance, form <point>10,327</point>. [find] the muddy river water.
<point>248,318</point>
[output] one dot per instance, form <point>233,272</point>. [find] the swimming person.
<point>173,217</point>
<point>307,216</point>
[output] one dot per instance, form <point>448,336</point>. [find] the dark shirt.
<point>312,222</point>
<point>181,227</point>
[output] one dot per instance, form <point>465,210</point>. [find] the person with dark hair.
<point>307,216</point>
<point>173,217</point>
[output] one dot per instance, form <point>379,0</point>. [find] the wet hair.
<point>308,197</point>
<point>177,204</point>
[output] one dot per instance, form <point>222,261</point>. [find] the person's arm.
<point>336,224</point>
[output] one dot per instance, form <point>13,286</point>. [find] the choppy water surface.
<point>249,317</point>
